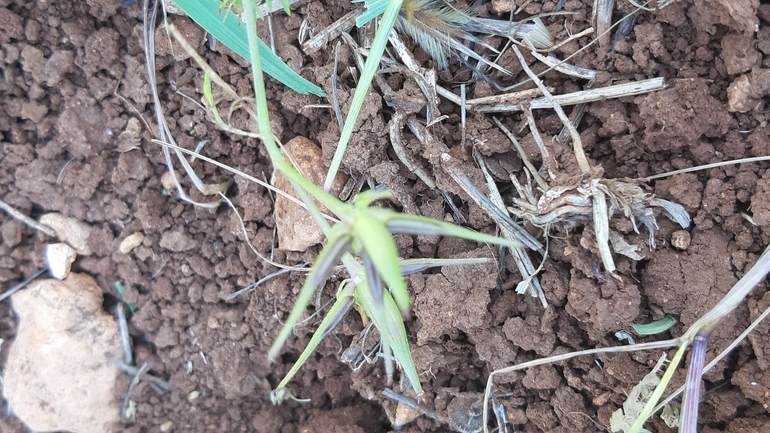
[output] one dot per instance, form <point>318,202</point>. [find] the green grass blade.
<point>323,265</point>
<point>415,224</point>
<point>367,75</point>
<point>206,14</point>
<point>286,7</point>
<point>374,8</point>
<point>332,318</point>
<point>388,321</point>
<point>381,248</point>
<point>658,393</point>
<point>656,327</point>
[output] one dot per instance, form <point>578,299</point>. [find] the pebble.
<point>58,375</point>
<point>680,239</point>
<point>130,242</point>
<point>59,258</point>
<point>69,230</point>
<point>297,231</point>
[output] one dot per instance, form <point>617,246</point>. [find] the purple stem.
<point>689,421</point>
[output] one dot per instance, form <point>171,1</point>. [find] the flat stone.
<point>297,230</point>
<point>177,241</point>
<point>58,375</point>
<point>69,230</point>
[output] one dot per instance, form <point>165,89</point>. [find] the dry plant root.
<point>588,197</point>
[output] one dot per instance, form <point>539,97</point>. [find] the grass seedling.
<point>376,283</point>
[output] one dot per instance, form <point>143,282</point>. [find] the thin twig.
<point>500,217</point>
<point>507,98</point>
<point>240,173</point>
<point>398,398</point>
<point>21,285</point>
<point>134,381</point>
<point>527,270</point>
<point>123,332</point>
<point>583,96</point>
<point>332,32</point>
<point>565,68</point>
<point>523,155</point>
<point>548,161</point>
<point>60,177</point>
<point>708,166</point>
<point>27,220</point>
<point>155,383</point>
<point>396,126</point>
<point>335,96</point>
<point>156,273</point>
<point>577,143</point>
<point>270,32</point>
<point>248,242</point>
<point>575,118</point>
<point>566,356</point>
<point>164,134</point>
<point>254,286</point>
<point>131,106</point>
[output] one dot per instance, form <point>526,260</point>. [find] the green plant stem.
<point>364,83</point>
<point>658,393</point>
<point>263,123</point>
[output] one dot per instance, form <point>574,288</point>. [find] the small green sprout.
<point>657,327</point>
<point>121,289</point>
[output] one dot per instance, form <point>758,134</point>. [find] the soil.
<point>75,109</point>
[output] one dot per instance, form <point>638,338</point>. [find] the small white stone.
<point>130,242</point>
<point>59,258</point>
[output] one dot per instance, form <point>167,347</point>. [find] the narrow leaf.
<point>388,321</point>
<point>375,282</point>
<point>656,327</point>
<point>338,310</point>
<point>418,225</point>
<point>414,266</point>
<point>233,35</point>
<point>377,241</point>
<point>322,268</point>
<point>387,22</point>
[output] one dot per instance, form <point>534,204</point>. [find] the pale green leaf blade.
<point>233,35</point>
<point>330,321</point>
<point>391,326</point>
<point>656,327</point>
<point>414,224</point>
<point>286,6</point>
<point>338,244</point>
<point>374,8</point>
<point>381,248</point>
<point>367,75</point>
